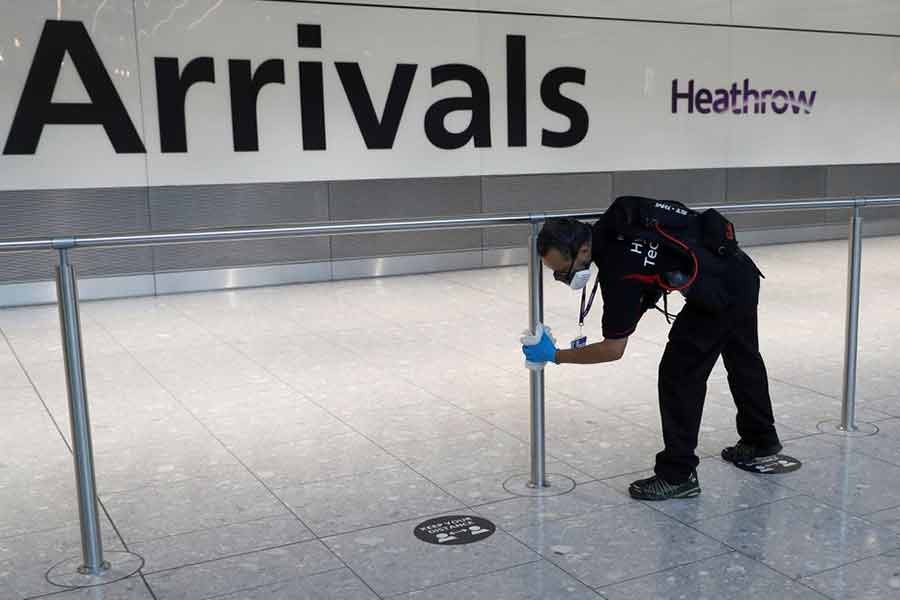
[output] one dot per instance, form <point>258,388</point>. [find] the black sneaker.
<point>743,452</point>
<point>657,488</point>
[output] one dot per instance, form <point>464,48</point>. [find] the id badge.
<point>579,342</point>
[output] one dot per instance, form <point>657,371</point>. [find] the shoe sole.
<point>686,494</point>
<point>732,460</point>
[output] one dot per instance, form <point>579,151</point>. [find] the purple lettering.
<point>688,95</point>
<point>704,97</point>
<point>801,101</point>
<point>721,103</point>
<point>783,96</point>
<point>739,97</point>
<point>748,92</point>
<point>765,95</point>
<point>734,94</point>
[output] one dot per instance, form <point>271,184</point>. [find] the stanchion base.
<point>520,485</point>
<point>68,573</point>
<point>835,428</point>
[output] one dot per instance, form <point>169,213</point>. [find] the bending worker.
<point>645,249</point>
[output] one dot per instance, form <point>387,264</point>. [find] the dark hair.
<point>564,234</point>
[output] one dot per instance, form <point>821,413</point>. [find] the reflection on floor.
<point>283,443</point>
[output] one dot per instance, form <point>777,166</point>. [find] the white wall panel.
<point>629,66</point>
<point>857,108</point>
<point>694,11</point>
<point>376,38</point>
<point>871,16</point>
<point>69,155</point>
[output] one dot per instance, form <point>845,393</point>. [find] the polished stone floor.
<point>282,443</point>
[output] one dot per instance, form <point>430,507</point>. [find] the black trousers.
<point>696,341</point>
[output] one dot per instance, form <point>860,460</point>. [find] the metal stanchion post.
<point>90,569</point>
<point>535,317</point>
<point>537,482</point>
<point>91,542</point>
<point>848,424</point>
<point>848,408</point>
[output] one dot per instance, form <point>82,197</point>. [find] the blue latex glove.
<point>543,351</point>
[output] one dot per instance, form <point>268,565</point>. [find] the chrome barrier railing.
<point>93,563</point>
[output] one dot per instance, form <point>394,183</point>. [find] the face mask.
<point>580,279</point>
<point>575,279</point>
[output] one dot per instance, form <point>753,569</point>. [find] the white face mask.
<point>580,279</point>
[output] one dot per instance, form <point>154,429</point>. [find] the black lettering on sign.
<point>551,94</point>
<point>516,92</point>
<point>37,109</point>
<point>379,134</point>
<point>479,104</point>
<point>171,94</point>
<point>378,126</point>
<point>245,90</point>
<point>312,105</point>
<point>312,90</point>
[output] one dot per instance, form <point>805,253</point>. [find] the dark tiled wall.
<point>872,180</point>
<point>404,199</point>
<point>205,207</point>
<point>782,183</point>
<point>538,193</point>
<point>690,186</point>
<point>129,210</point>
<point>39,213</point>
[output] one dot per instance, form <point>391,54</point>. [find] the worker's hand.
<point>542,352</point>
